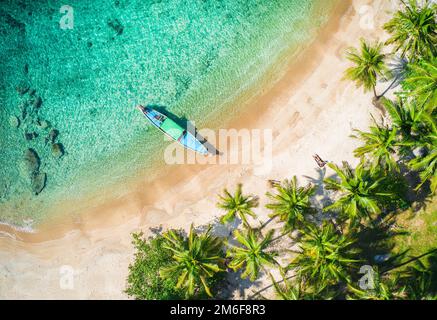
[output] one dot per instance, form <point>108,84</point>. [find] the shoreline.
<point>59,224</point>
<point>89,186</point>
<point>97,244</point>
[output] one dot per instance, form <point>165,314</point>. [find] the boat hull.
<point>174,131</point>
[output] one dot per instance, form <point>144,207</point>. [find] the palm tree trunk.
<point>389,87</point>
<point>374,93</point>
<point>406,6</point>
<point>266,223</point>
<point>269,286</point>
<point>245,222</point>
<point>279,237</point>
<point>337,227</point>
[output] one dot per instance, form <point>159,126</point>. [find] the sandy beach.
<point>310,110</point>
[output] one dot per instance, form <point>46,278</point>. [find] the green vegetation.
<point>196,259</point>
<point>237,205</point>
<point>426,163</point>
<point>144,281</point>
<point>291,204</point>
<point>421,83</point>
<point>325,256</point>
<point>381,215</point>
<point>422,229</point>
<point>362,191</point>
<point>413,30</point>
<point>379,145</point>
<point>252,254</point>
<point>411,121</point>
<point>382,290</point>
<point>369,65</point>
<point>298,289</point>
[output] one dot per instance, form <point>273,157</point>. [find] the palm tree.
<point>359,189</point>
<point>196,259</point>
<point>237,205</point>
<point>380,144</point>
<point>421,83</point>
<point>300,290</point>
<point>369,65</point>
<point>291,203</point>
<point>325,256</point>
<point>409,119</point>
<point>252,254</point>
<point>427,164</point>
<point>413,30</point>
<point>288,291</point>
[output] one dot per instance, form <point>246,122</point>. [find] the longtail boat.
<point>173,130</point>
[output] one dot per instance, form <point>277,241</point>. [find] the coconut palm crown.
<point>196,258</point>
<point>426,163</point>
<point>369,65</point>
<point>252,252</point>
<point>325,256</point>
<point>236,205</point>
<point>421,84</point>
<point>360,191</point>
<point>414,30</point>
<point>410,120</point>
<point>291,203</point>
<point>379,144</point>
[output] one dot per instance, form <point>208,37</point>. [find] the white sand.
<point>310,111</point>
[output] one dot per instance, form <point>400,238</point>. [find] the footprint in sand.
<point>152,215</point>
<point>340,52</point>
<point>296,117</point>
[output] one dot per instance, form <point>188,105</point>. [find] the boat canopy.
<point>172,129</point>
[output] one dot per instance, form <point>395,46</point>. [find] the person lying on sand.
<point>321,163</point>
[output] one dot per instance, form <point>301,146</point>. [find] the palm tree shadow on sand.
<point>184,122</point>
<point>322,196</point>
<point>236,285</point>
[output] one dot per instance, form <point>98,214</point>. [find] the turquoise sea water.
<point>76,88</point>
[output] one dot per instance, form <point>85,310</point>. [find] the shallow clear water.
<point>193,57</point>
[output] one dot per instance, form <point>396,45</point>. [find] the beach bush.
<point>166,270</point>
<point>143,281</point>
